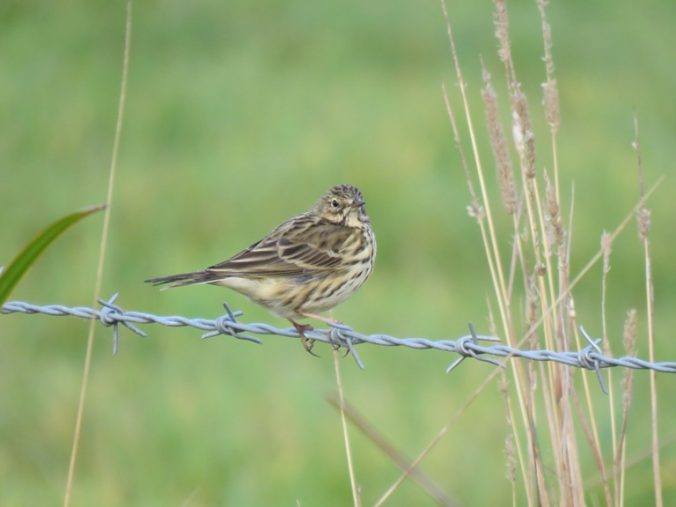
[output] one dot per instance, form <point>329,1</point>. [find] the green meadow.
<point>240,114</point>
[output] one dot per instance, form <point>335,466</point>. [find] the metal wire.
<point>111,315</point>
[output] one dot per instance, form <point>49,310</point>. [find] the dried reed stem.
<point>627,391</point>
<point>591,438</point>
<point>356,500</point>
<point>524,141</point>
<point>511,467</point>
<point>643,217</point>
<point>399,459</point>
<point>595,258</point>
<point>481,213</point>
<point>550,92</point>
<point>475,394</point>
<point>395,485</point>
<point>513,436</point>
<point>567,315</point>
<point>525,145</point>
<point>512,441</point>
<point>102,255</point>
<point>496,136</point>
<point>595,441</point>
<point>500,287</point>
<point>607,248</point>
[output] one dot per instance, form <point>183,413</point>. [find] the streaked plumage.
<point>305,266</point>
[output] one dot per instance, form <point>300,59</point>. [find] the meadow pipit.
<point>305,266</point>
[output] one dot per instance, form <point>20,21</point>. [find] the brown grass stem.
<point>590,264</point>
<point>629,338</point>
<point>397,457</point>
<point>480,216</point>
<point>606,247</point>
<point>101,261</point>
<point>356,500</point>
<point>500,286</point>
<point>596,257</point>
<point>643,216</point>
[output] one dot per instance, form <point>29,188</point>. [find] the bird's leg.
<point>326,320</point>
<point>331,322</point>
<point>308,343</point>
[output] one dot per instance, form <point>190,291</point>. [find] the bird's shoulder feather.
<point>304,245</point>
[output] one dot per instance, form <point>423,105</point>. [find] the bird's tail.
<point>182,279</point>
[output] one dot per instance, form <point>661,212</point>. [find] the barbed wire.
<point>110,314</point>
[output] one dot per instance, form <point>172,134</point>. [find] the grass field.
<point>240,114</point>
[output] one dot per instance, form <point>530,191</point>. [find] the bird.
<point>305,266</point>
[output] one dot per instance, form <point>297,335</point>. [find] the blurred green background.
<point>240,114</point>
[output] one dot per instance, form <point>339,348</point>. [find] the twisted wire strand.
<point>590,357</point>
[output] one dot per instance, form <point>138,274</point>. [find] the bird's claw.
<point>308,343</point>
<point>335,337</point>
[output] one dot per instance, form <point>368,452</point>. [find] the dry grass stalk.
<point>474,209</point>
<point>564,295</point>
<point>101,262</point>
<point>524,141</point>
<point>627,390</point>
<point>522,131</point>
<point>566,308</point>
<point>592,439</point>
<point>484,233</point>
<point>402,461</point>
<point>501,296</point>
<point>356,500</point>
<point>643,216</point>
<point>556,233</point>
<point>550,92</point>
<point>511,465</point>
<point>636,460</point>
<point>548,236</point>
<point>571,479</point>
<point>551,103</point>
<point>499,278</point>
<point>564,259</point>
<point>503,162</point>
<point>501,24</point>
<point>606,247</point>
<point>513,437</point>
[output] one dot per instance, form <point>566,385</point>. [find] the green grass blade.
<point>16,269</point>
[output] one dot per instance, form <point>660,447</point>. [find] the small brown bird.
<point>305,266</point>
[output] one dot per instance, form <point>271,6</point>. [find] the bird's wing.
<point>297,247</point>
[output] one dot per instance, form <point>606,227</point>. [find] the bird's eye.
<point>335,204</point>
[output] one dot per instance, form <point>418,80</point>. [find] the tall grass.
<point>356,498</point>
<point>101,261</point>
<point>643,217</point>
<point>541,252</point>
<point>539,275</point>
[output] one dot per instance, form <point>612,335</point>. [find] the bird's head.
<point>343,204</point>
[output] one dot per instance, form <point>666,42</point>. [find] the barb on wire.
<point>108,317</point>
<point>466,352</point>
<point>588,361</point>
<point>339,335</point>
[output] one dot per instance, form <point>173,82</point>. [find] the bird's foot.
<point>308,343</point>
<point>335,325</point>
<point>337,339</point>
